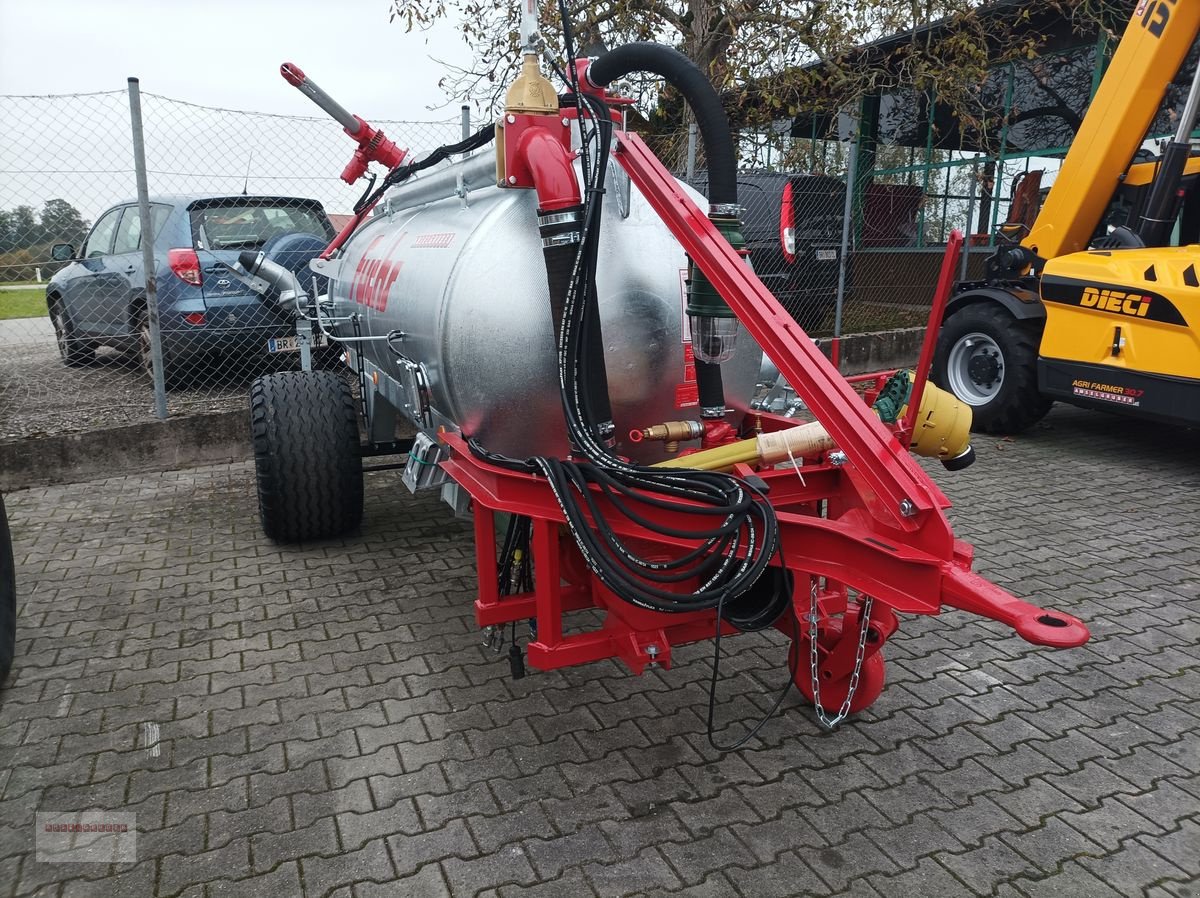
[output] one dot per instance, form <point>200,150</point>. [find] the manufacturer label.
<point>1113,299</point>
<point>375,274</point>
<point>433,241</point>
<point>1135,304</point>
<point>1091,389</point>
<point>687,396</point>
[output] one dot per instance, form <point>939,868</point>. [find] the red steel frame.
<point>871,526</point>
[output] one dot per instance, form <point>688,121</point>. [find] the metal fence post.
<point>147,240</point>
<point>693,132</point>
<point>466,121</point>
<point>844,254</point>
<point>966,256</point>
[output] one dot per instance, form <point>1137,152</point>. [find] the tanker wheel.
<point>833,692</point>
<point>988,359</point>
<point>304,426</point>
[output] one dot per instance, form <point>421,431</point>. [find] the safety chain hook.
<point>825,720</point>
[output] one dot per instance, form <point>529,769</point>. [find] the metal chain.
<point>865,617</point>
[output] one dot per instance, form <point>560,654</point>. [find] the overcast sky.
<point>217,53</point>
<point>227,53</point>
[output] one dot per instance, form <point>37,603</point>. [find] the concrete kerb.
<point>220,437</point>
<point>168,445</point>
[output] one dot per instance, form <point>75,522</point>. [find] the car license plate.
<point>290,344</point>
<point>827,255</point>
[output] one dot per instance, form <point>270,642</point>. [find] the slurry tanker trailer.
<point>575,337</point>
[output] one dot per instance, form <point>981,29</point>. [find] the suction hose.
<point>685,77</point>
<point>719,150</point>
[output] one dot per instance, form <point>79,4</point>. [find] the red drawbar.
<point>871,526</point>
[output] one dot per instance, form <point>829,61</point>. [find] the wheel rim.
<point>60,331</point>
<point>975,369</point>
<point>145,353</point>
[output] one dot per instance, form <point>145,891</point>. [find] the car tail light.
<point>195,319</point>
<point>185,265</point>
<point>787,224</point>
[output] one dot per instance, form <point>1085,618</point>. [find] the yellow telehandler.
<point>1072,309</point>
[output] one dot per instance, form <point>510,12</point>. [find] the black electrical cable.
<point>402,172</point>
<point>793,668</point>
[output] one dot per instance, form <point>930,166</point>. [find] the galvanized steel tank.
<point>468,290</point>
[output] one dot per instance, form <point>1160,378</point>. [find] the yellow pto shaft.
<point>941,430</point>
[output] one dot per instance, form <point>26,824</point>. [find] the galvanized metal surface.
<point>471,300</point>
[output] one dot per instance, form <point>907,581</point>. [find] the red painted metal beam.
<point>886,475</point>
<point>898,575</point>
<point>941,296</point>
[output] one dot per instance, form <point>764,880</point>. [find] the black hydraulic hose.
<point>709,389</point>
<point>599,405</point>
<point>560,233</point>
<point>685,77</point>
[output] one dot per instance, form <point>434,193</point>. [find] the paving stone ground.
<point>323,721</point>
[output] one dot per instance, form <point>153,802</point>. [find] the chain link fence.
<point>848,263</point>
<point>76,341</point>
<point>75,335</point>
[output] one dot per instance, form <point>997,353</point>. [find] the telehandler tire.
<point>988,359</point>
<point>307,462</point>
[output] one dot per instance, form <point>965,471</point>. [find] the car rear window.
<point>250,225</point>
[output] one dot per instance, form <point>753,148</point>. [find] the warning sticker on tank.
<point>1090,389</point>
<point>689,364</point>
<point>687,395</point>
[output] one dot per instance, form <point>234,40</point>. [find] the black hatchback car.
<point>100,297</point>
<point>793,228</point>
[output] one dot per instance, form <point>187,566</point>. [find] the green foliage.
<point>770,60</point>
<point>27,237</point>
<point>23,228</point>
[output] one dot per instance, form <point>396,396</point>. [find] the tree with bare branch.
<point>768,59</point>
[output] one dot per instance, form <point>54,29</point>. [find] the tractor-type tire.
<point>988,359</point>
<point>8,598</point>
<point>304,425</point>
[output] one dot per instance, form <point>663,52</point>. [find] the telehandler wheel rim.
<point>975,368</point>
<point>833,692</point>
